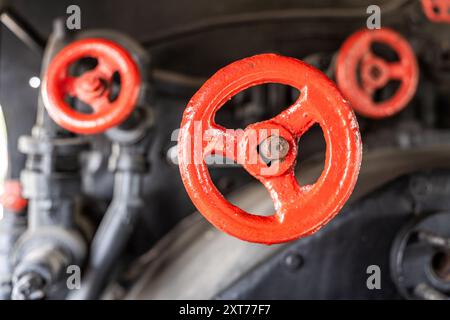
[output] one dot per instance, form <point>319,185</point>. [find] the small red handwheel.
<point>268,150</point>
<point>93,87</point>
<point>12,198</point>
<point>437,10</point>
<point>360,72</point>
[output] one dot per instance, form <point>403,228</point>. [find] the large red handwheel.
<point>92,87</point>
<point>300,210</point>
<point>360,73</point>
<point>437,10</point>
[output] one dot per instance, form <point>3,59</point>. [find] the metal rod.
<point>22,30</point>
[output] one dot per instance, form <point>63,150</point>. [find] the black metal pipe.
<point>113,233</point>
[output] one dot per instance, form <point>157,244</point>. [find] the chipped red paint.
<point>437,10</point>
<point>12,199</point>
<point>92,87</point>
<point>300,210</point>
<point>355,60</point>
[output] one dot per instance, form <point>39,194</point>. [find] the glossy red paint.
<point>359,72</point>
<point>437,10</point>
<point>92,87</point>
<point>12,199</point>
<point>300,210</point>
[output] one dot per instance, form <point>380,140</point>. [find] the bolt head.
<point>274,148</point>
<point>293,261</point>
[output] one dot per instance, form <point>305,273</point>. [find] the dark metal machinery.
<point>114,204</point>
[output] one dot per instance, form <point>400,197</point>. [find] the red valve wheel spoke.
<point>221,141</point>
<point>284,190</point>
<point>69,86</point>
<point>101,104</point>
<point>356,61</point>
<point>369,89</point>
<point>298,118</point>
<point>104,68</point>
<point>268,150</point>
<point>397,70</point>
<point>92,87</point>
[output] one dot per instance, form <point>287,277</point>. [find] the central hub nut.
<point>92,85</point>
<point>274,148</point>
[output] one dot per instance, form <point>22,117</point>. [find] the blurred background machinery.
<point>113,203</point>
